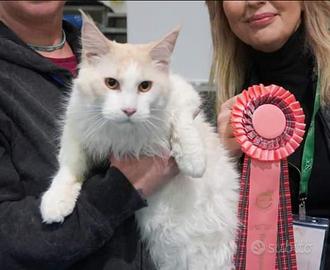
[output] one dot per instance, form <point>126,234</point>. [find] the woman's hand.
<point>224,128</point>
<point>147,174</point>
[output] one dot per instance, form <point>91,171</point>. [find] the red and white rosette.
<point>268,123</point>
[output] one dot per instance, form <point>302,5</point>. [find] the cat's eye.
<point>145,86</point>
<point>112,83</point>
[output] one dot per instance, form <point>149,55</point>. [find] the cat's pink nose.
<point>129,111</point>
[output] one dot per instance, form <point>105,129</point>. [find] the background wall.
<point>150,20</point>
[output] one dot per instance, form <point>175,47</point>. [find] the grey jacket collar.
<point>14,50</point>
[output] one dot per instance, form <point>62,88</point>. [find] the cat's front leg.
<point>60,199</point>
<point>188,147</point>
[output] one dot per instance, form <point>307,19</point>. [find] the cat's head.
<point>130,81</point>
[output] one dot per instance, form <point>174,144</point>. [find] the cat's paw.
<point>59,202</point>
<point>191,163</point>
<point>192,166</point>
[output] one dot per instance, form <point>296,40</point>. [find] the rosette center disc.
<point>269,121</point>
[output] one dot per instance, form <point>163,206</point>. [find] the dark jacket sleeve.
<point>107,199</point>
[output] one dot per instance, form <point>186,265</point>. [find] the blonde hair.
<point>230,58</point>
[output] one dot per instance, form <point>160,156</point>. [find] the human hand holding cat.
<point>147,174</point>
<point>224,128</point>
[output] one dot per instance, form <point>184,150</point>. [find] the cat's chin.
<point>128,121</point>
<point>126,124</point>
<point>122,121</point>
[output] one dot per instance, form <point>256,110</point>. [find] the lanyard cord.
<point>308,152</point>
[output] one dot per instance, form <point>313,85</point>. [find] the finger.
<point>173,168</point>
<point>224,125</point>
<point>228,132</point>
<point>172,163</point>
<point>224,116</point>
<point>228,104</point>
<point>232,145</point>
<point>112,159</point>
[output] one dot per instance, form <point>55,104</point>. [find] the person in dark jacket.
<point>286,43</point>
<point>38,58</point>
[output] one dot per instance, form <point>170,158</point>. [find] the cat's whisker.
<point>158,120</point>
<point>144,125</point>
<point>88,114</point>
<point>92,105</point>
<point>93,110</point>
<point>155,131</point>
<point>94,127</point>
<point>150,123</point>
<point>160,111</point>
<point>100,125</point>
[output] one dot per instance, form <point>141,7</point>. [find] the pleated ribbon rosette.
<point>268,123</point>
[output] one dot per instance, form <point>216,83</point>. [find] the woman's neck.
<point>45,33</point>
<point>284,65</point>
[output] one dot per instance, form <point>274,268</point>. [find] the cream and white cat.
<point>126,102</point>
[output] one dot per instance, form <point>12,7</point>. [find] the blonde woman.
<point>285,43</point>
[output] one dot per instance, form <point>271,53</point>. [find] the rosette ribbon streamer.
<point>268,123</point>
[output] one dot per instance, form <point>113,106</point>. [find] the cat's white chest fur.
<point>124,102</point>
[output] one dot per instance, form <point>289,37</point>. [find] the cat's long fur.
<point>190,223</point>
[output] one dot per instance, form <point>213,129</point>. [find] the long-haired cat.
<point>125,101</point>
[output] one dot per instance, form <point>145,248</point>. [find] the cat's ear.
<point>162,50</point>
<point>94,44</point>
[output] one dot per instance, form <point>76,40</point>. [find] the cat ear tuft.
<point>94,44</point>
<point>162,50</point>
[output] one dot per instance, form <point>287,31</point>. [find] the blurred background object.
<point>110,16</point>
